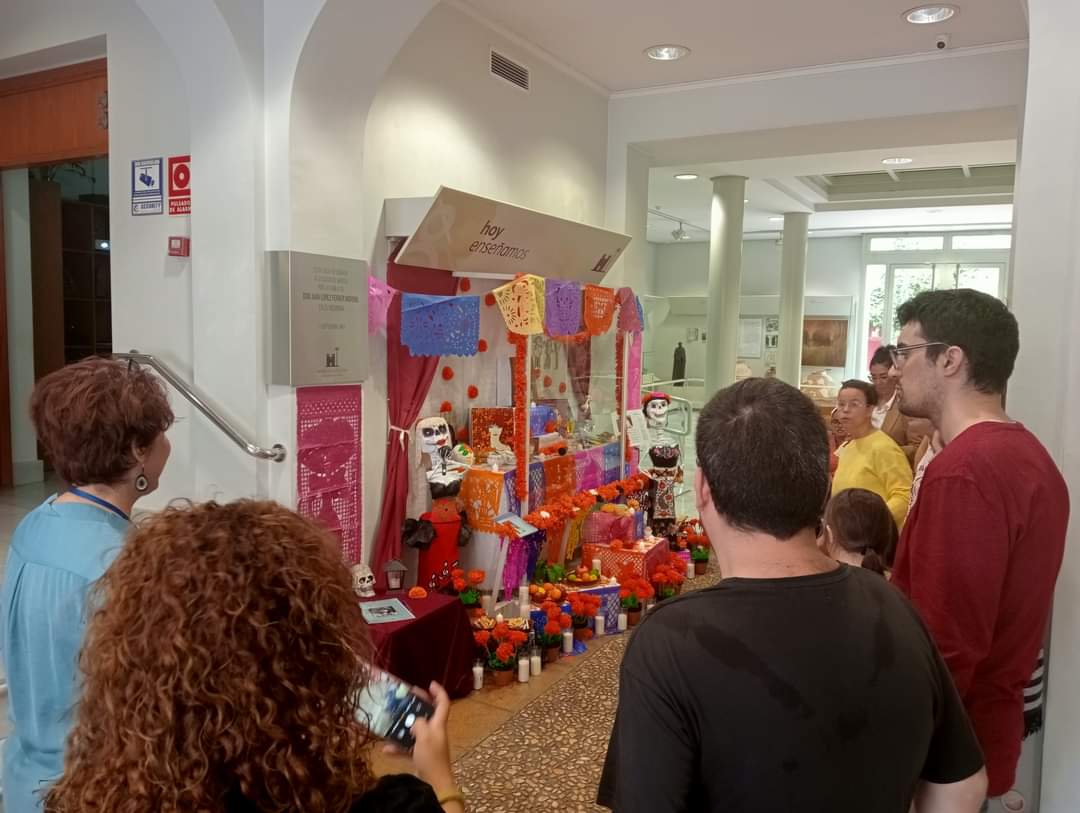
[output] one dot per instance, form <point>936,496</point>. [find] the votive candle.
<point>597,565</point>
<point>535,664</point>
<point>477,677</point>
<point>622,622</point>
<point>523,669</point>
<point>599,622</point>
<point>568,642</point>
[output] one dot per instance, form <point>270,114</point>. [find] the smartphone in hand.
<point>388,707</point>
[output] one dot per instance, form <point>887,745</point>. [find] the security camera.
<point>943,41</point>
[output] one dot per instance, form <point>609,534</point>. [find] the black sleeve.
<point>651,757</point>
<point>400,793</point>
<point>954,752</point>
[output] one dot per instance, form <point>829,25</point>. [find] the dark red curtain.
<point>408,381</point>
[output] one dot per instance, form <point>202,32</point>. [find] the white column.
<point>792,297</point>
<point>725,280</point>
<point>1046,385</point>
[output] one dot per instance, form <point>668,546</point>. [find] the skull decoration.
<point>363,580</point>
<point>655,406</point>
<point>434,434</point>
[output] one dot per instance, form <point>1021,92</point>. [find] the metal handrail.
<point>275,453</point>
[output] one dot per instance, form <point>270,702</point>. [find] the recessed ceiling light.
<point>686,176</point>
<point>776,220</point>
<point>896,161</point>
<point>746,200</point>
<point>667,53</point>
<point>927,15</point>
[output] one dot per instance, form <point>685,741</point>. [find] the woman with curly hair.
<point>102,424</point>
<point>221,672</point>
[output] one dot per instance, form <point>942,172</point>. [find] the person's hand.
<point>431,753</point>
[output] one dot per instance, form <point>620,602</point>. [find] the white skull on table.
<point>363,580</point>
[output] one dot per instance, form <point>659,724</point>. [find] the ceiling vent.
<point>509,70</point>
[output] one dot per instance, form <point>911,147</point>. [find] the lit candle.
<point>499,618</point>
<point>523,669</point>
<point>597,566</point>
<point>478,677</point>
<point>600,621</point>
<point>535,663</point>
<point>568,643</point>
<point>622,622</point>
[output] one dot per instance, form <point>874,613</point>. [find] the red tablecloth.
<point>436,645</point>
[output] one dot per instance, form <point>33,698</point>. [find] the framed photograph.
<point>692,334</point>
<point>772,341</point>
<point>751,336</point>
<point>825,342</point>
<point>385,611</point>
<point>772,324</point>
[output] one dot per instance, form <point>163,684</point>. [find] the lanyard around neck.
<point>86,495</point>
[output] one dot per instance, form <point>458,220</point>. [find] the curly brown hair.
<point>91,415</point>
<point>222,659</point>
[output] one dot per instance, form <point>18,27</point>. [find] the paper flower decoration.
<point>447,373</point>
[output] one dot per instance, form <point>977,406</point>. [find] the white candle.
<point>499,618</point>
<point>523,598</point>
<point>568,642</point>
<point>523,669</point>
<point>690,572</point>
<point>478,677</point>
<point>600,621</point>
<point>622,622</point>
<point>535,664</point>
<point>487,601</point>
<point>597,566</point>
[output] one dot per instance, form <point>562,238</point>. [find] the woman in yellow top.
<point>870,459</point>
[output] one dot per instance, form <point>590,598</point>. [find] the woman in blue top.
<point>102,424</point>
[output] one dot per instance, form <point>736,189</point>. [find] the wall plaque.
<point>318,324</point>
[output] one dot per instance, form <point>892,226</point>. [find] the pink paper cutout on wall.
<point>328,463</point>
<point>380,295</point>
<point>633,373</point>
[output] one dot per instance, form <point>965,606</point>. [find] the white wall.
<point>1045,388</point>
<point>440,118</point>
<point>20,323</point>
<point>833,268</point>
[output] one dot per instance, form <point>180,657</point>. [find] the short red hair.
<point>92,415</point>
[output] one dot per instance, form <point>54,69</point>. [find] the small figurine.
<point>665,471</point>
<point>363,580</point>
<point>495,439</point>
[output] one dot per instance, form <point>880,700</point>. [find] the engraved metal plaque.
<point>318,324</point>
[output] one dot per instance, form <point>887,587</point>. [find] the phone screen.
<point>388,707</point>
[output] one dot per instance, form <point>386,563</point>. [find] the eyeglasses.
<point>844,406</point>
<point>900,352</point>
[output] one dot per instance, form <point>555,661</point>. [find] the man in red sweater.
<point>982,548</point>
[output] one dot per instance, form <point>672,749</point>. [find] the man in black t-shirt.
<point>796,684</point>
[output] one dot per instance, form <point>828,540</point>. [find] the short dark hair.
<point>764,452</point>
<point>90,415</point>
<point>865,387</point>
<point>977,323</point>
<point>882,356</point>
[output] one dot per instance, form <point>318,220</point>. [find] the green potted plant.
<point>699,554</point>
<point>550,636</point>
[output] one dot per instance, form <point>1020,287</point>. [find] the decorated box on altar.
<point>612,562</point>
<point>685,556</point>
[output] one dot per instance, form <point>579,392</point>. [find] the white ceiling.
<point>774,187</point>
<point>604,39</point>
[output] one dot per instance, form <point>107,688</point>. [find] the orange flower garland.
<point>521,413</point>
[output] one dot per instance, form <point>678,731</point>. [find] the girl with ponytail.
<point>859,530</point>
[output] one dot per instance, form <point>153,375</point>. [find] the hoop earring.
<point>142,484</point>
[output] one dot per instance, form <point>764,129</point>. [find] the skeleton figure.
<point>363,580</point>
<point>665,471</point>
<point>436,442</point>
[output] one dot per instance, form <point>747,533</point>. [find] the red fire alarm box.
<point>179,246</point>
